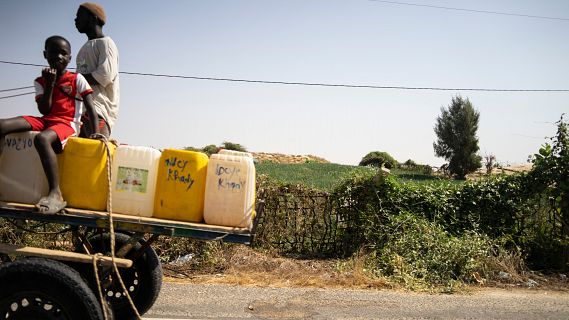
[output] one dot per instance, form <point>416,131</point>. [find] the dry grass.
<point>244,266</point>
<point>507,170</point>
<point>510,271</point>
<point>241,265</point>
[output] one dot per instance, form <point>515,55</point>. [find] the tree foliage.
<point>378,159</point>
<point>212,148</point>
<point>456,137</point>
<point>550,174</point>
<point>233,146</point>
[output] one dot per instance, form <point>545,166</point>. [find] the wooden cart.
<point>58,284</point>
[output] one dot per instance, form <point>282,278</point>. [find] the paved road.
<point>190,301</point>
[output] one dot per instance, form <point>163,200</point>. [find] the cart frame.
<point>134,253</point>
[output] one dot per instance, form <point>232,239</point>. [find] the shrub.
<point>426,169</point>
<point>192,149</point>
<point>550,176</point>
<point>500,207</point>
<point>233,146</point>
<point>378,159</point>
<point>411,165</point>
<point>210,149</point>
<point>419,252</point>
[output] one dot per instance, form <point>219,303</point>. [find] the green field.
<point>322,176</point>
<point>326,176</point>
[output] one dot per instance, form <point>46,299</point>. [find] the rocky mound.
<point>286,158</point>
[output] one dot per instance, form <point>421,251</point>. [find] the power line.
<point>16,95</point>
<point>15,89</point>
<point>24,64</point>
<point>526,136</point>
<point>472,10</point>
<point>343,85</point>
<point>317,84</point>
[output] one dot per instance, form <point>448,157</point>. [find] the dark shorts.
<point>86,129</point>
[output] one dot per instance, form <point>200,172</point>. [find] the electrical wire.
<point>24,64</point>
<point>526,136</point>
<point>317,84</point>
<point>471,10</point>
<point>16,95</point>
<point>343,85</point>
<point>15,89</point>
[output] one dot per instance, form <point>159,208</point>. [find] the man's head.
<point>88,16</point>
<point>57,52</point>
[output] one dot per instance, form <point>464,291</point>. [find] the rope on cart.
<point>96,256</point>
<point>112,232</point>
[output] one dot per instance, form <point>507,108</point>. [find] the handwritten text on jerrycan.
<point>229,179</point>
<point>176,173</point>
<point>19,143</point>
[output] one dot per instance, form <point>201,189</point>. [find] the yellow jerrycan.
<point>84,180</point>
<point>180,186</point>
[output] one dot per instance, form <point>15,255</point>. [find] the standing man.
<point>98,62</point>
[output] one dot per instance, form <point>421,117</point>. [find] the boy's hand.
<point>49,74</point>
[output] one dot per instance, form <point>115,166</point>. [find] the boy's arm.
<point>44,102</point>
<point>89,77</point>
<point>93,117</point>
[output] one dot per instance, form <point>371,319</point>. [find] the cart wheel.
<point>4,258</point>
<point>143,280</point>
<point>37,288</point>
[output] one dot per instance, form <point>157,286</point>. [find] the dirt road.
<point>199,301</point>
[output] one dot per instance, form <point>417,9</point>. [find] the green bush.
<point>502,207</point>
<point>418,252</point>
<point>192,149</point>
<point>411,165</point>
<point>378,159</point>
<point>210,149</point>
<point>368,200</point>
<point>233,146</point>
<point>550,176</point>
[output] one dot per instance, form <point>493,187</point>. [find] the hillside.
<point>286,158</point>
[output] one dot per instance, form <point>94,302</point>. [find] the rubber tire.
<point>146,269</point>
<point>4,258</point>
<point>53,283</point>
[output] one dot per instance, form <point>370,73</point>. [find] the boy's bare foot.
<point>51,204</point>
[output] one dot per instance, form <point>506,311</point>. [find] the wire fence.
<point>311,223</point>
<point>299,221</point>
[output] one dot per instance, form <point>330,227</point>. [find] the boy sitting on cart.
<point>61,97</point>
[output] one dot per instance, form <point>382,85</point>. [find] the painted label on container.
<point>229,179</point>
<point>19,143</point>
<point>176,174</point>
<point>132,180</point>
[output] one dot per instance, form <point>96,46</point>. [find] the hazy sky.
<point>356,42</point>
